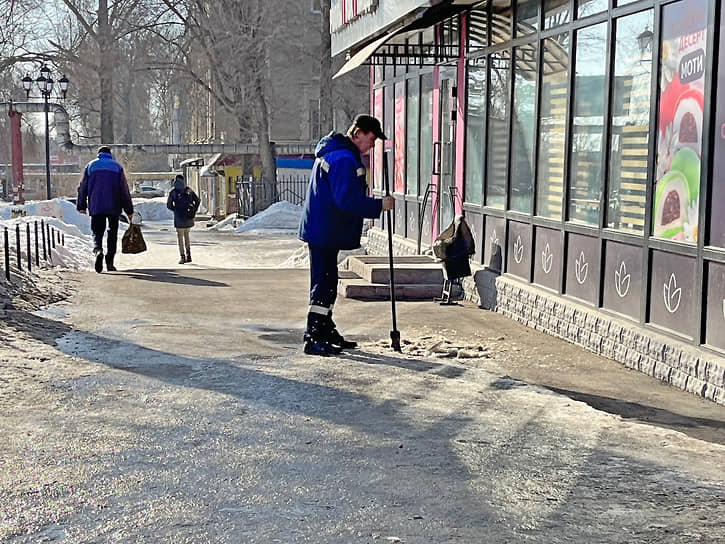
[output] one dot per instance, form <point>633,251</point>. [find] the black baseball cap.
<point>368,123</point>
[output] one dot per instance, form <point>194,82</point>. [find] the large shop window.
<point>399,137</point>
<point>426,130</point>
<point>585,8</point>
<point>475,130</point>
<point>556,13</point>
<point>588,127</point>
<point>527,16</point>
<point>498,123</point>
<point>680,113</point>
<point>552,127</point>
<point>523,121</point>
<point>412,112</point>
<point>378,149</point>
<point>630,122</point>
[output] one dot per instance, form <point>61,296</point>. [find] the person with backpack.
<point>184,203</point>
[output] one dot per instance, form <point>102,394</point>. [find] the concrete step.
<point>416,269</point>
<point>361,289</point>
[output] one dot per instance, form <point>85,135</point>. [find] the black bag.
<point>456,241</point>
<point>132,241</point>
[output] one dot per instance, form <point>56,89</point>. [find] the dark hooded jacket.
<point>103,189</point>
<point>184,203</point>
<point>337,200</point>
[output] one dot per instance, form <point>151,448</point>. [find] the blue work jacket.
<point>337,200</point>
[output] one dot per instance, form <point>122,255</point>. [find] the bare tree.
<point>98,36</point>
<point>225,50</point>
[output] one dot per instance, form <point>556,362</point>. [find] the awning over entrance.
<point>363,55</point>
<point>394,48</point>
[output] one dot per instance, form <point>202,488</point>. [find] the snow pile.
<point>299,259</point>
<point>76,252</point>
<point>62,209</point>
<point>228,223</point>
<point>153,209</point>
<point>281,216</point>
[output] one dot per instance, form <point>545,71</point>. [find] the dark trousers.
<point>323,276</point>
<point>98,225</point>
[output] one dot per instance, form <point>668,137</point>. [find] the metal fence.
<point>254,195</point>
<point>41,238</point>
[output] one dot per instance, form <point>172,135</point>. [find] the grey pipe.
<point>63,139</point>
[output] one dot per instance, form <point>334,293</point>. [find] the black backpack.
<point>187,203</point>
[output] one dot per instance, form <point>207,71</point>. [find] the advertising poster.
<point>679,139</point>
<point>399,138</point>
<point>717,203</point>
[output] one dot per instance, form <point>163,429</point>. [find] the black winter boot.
<point>109,264</point>
<point>315,342</point>
<point>335,338</point>
<point>98,252</point>
<point>188,254</point>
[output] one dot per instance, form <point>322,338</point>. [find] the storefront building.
<point>584,142</point>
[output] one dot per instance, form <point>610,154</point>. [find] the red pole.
<point>17,156</point>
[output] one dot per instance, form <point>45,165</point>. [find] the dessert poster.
<point>679,128</point>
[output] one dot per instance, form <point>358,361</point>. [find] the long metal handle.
<point>436,158</point>
<point>394,334</point>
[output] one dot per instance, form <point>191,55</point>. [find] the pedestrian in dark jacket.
<point>336,204</point>
<point>104,193</point>
<point>184,203</point>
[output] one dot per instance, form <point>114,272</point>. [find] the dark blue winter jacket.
<point>184,203</point>
<point>103,189</point>
<point>337,198</point>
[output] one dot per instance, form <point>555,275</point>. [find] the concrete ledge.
<point>681,365</point>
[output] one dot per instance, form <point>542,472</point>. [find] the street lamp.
<point>45,86</point>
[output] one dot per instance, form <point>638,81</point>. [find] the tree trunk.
<point>266,148</point>
<point>105,72</point>
<point>326,109</point>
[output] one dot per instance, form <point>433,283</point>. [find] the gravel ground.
<point>139,428</point>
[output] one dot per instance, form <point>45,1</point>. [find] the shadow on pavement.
<point>645,414</point>
<point>169,276</point>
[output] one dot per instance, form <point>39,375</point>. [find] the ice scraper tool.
<point>395,333</point>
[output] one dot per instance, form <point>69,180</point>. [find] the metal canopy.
<point>395,48</point>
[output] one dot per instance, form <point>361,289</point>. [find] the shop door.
<point>447,148</point>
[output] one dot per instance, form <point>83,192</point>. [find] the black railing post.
<point>37,253</point>
<point>53,234</point>
<point>30,254</point>
<point>7,255</point>
<point>17,245</point>
<point>42,228</point>
<point>62,239</point>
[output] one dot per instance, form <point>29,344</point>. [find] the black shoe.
<point>317,348</point>
<point>109,265</point>
<point>336,339</point>
<point>314,346</point>
<point>99,259</point>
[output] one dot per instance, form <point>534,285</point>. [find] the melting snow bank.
<point>76,252</point>
<point>226,224</point>
<point>279,217</point>
<point>152,209</point>
<point>301,256</point>
<point>59,208</point>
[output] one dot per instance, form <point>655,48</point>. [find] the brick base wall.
<point>672,361</point>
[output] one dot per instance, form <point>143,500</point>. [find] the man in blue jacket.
<point>104,193</point>
<point>336,204</point>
